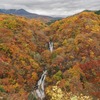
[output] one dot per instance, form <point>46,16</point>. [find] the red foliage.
<point>92,73</point>
<point>91,70</point>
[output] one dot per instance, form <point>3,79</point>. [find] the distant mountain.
<point>22,12</point>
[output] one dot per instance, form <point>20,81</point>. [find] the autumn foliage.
<point>74,64</point>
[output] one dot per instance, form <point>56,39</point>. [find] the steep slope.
<point>76,38</point>
<point>76,54</point>
<point>21,43</point>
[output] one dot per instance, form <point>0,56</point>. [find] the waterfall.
<point>39,93</point>
<point>40,90</point>
<point>51,46</point>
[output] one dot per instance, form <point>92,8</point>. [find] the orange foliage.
<point>74,61</point>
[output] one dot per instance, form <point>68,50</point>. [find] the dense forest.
<point>73,66</point>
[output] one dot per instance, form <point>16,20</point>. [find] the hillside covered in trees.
<point>73,66</point>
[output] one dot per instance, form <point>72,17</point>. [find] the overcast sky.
<point>51,7</point>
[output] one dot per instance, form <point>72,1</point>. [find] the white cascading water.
<point>51,46</point>
<point>38,93</point>
<point>40,90</point>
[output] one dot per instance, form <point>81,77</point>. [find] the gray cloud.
<point>51,7</point>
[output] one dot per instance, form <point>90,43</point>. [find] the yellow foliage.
<point>55,93</point>
<point>92,54</point>
<point>75,70</point>
<point>64,42</point>
<point>16,85</point>
<point>34,76</point>
<point>59,50</point>
<point>90,40</point>
<point>83,58</point>
<point>71,57</point>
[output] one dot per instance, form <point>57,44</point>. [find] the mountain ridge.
<point>22,12</point>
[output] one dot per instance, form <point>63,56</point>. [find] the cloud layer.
<point>51,7</point>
